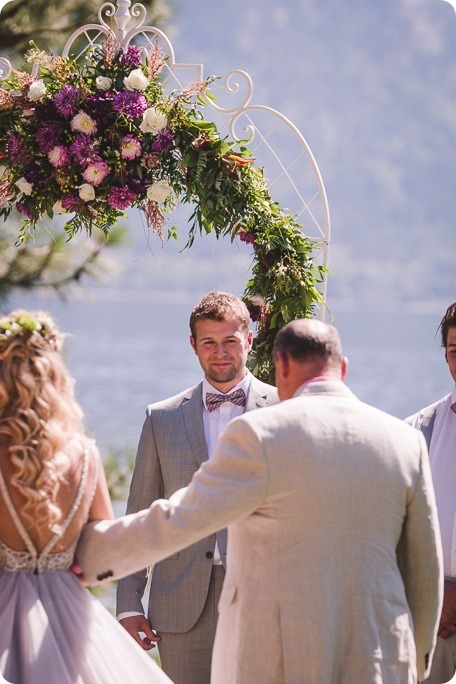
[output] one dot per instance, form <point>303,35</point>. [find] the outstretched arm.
<point>227,488</point>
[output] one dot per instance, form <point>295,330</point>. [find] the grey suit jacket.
<point>171,449</point>
<point>335,562</point>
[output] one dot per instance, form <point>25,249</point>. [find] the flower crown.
<point>27,325</point>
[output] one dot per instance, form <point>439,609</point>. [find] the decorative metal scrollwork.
<point>275,142</point>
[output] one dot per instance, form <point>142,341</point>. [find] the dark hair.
<point>220,306</point>
<point>447,322</point>
<point>309,340</point>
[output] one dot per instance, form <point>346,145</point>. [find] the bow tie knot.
<point>214,401</point>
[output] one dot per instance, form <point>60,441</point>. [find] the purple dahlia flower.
<point>59,156</point>
<point>47,137</point>
<point>129,103</point>
<point>84,150</point>
<point>66,101</point>
<point>248,238</point>
<point>132,56</point>
<point>163,142</point>
<point>70,202</point>
<point>121,198</point>
<point>32,173</point>
<point>23,208</point>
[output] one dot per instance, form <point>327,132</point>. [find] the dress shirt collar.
<point>244,384</point>
<point>318,378</point>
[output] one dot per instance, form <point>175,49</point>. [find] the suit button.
<point>209,554</point>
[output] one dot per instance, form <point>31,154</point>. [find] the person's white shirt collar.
<point>453,396</point>
<point>244,384</point>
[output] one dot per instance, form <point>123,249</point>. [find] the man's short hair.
<point>447,322</point>
<point>305,340</point>
<point>220,306</point>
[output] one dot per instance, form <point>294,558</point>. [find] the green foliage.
<point>118,468</point>
<point>180,151</point>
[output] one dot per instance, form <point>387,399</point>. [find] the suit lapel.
<point>257,396</point>
<point>192,409</point>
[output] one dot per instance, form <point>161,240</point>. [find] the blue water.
<point>128,352</point>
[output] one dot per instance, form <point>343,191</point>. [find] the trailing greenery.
<point>91,140</point>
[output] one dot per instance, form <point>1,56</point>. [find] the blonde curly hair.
<point>38,412</point>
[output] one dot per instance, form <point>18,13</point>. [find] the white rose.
<point>58,208</point>
<point>24,186</point>
<point>136,80</point>
<point>36,91</point>
<point>103,82</point>
<point>159,191</point>
<point>257,300</point>
<point>86,192</point>
<point>153,121</point>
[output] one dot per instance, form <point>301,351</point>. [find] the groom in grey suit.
<point>335,561</point>
<point>178,435</point>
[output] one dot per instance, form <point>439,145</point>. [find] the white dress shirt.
<point>216,421</point>
<point>442,455</point>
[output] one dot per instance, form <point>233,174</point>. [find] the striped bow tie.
<point>214,401</point>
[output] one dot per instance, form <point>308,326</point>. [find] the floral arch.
<point>116,122</point>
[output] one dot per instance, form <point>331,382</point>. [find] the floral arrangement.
<point>91,140</point>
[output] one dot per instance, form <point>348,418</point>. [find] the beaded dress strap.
<point>74,506</point>
<point>15,518</point>
<point>68,518</point>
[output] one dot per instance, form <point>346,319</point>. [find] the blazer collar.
<point>334,387</point>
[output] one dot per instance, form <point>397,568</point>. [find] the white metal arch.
<point>278,146</point>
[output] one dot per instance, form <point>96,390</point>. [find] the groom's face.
<point>222,348</point>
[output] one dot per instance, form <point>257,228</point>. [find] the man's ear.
<point>193,343</point>
<point>282,364</point>
<point>344,368</point>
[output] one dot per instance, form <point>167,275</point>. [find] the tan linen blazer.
<point>335,562</point>
<point>171,449</point>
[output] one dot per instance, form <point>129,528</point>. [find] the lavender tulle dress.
<point>52,630</point>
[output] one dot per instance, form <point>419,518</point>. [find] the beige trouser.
<point>186,658</point>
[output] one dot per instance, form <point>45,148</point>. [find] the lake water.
<point>126,351</point>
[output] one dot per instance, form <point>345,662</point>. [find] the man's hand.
<point>447,625</point>
<point>137,625</point>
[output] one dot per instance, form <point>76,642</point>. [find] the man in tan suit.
<point>335,565</point>
<point>178,435</point>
